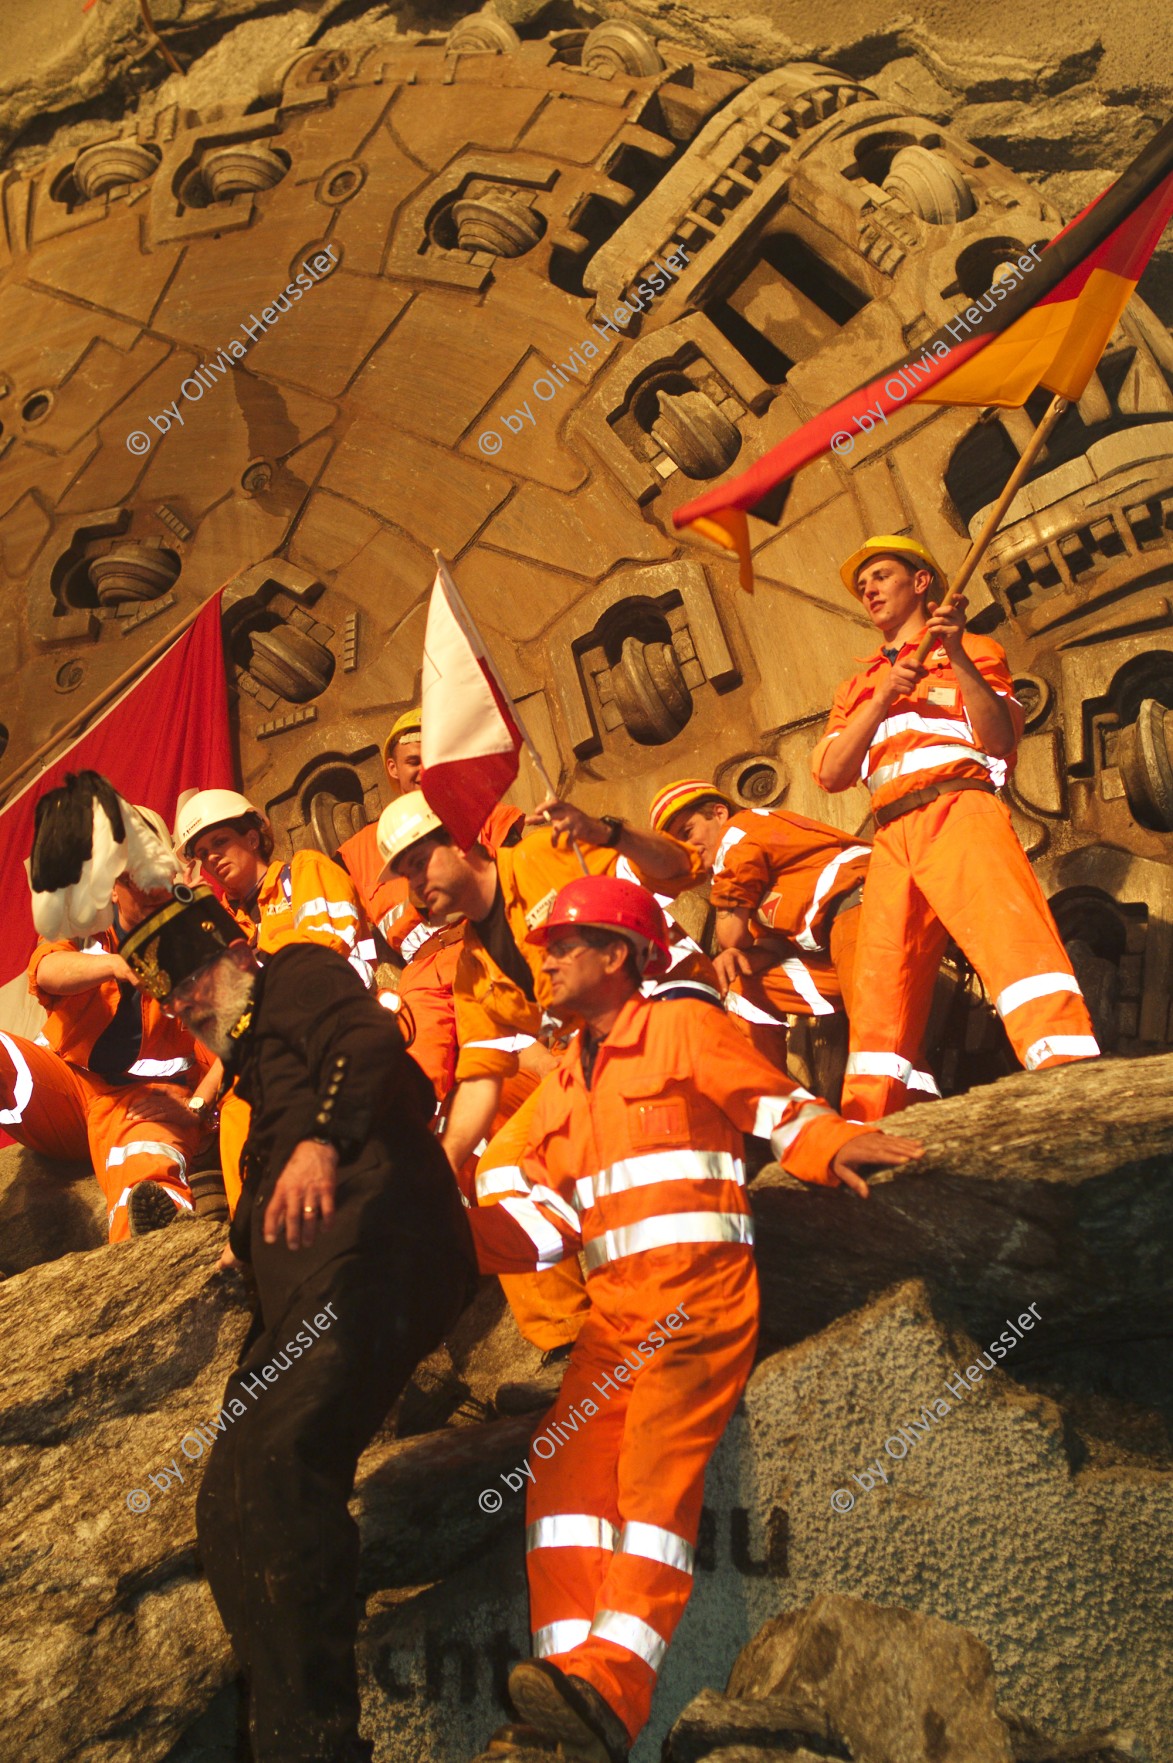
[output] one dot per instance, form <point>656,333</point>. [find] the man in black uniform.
<point>363,1260</point>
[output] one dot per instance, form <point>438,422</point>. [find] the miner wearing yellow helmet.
<point>933,744</point>
<point>387,902</point>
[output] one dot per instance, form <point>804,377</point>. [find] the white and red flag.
<point>470,733</point>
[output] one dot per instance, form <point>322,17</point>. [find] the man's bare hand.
<point>304,1195</point>
<point>228,1261</point>
<point>870,1150</point>
<point>164,1105</point>
<point>732,964</point>
<point>902,679</point>
<point>568,823</point>
<point>946,625</point>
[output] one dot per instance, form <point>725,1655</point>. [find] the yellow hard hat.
<point>407,724</point>
<point>403,824</point>
<point>890,545</point>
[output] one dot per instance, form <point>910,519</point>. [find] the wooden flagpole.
<point>474,636</point>
<point>996,515</point>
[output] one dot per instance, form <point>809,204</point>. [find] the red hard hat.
<point>603,902</point>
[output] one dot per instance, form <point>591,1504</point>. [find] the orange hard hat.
<point>604,902</point>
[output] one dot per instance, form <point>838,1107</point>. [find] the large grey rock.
<point>47,1209</point>
<point>995,1518</point>
<point>109,1641</point>
<point>1055,1188</point>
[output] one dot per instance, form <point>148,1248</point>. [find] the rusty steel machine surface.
<point>440,232</point>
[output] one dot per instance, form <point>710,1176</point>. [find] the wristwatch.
<point>203,1110</point>
<point>616,825</point>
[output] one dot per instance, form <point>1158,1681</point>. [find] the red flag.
<point>1044,323</point>
<point>167,732</point>
<point>470,733</point>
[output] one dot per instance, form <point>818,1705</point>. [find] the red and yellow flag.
<point>1044,322</point>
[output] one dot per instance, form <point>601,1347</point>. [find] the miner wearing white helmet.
<point>308,899</point>
<point>111,1080</point>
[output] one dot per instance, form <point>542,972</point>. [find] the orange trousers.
<point>954,869</point>
<point>63,1111</point>
<point>806,985</point>
<point>550,1307</point>
<point>614,1506</point>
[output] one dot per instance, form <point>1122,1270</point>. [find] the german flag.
<point>1045,322</point>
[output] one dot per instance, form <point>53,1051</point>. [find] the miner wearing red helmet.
<point>934,742</point>
<point>785,893</point>
<point>635,1160</point>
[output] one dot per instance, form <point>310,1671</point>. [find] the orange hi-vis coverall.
<point>798,878</point>
<point>51,1101</point>
<point>641,1169</point>
<point>951,866</point>
<point>495,1020</point>
<point>308,899</point>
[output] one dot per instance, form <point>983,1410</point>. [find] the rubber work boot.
<point>570,1710</point>
<point>208,1196</point>
<point>150,1207</point>
<point>539,1391</point>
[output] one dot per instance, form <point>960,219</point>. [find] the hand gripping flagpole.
<point>996,515</point>
<point>470,630</point>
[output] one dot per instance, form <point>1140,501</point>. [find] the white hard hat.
<point>403,824</point>
<point>200,809</point>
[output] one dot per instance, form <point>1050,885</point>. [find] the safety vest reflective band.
<point>571,1530</point>
<point>805,938</point>
<point>157,1067</point>
<point>505,1043</point>
<point>935,759</point>
<point>506,1180</point>
<point>560,1637</point>
<point>665,1232</point>
<point>656,1544</point>
<point>736,1005</point>
<point>924,725</point>
<point>773,1109</point>
<point>923,1080</point>
<point>548,1242</point>
<point>801,978</point>
<point>783,1137</point>
<point>415,939</point>
<point>22,1088</point>
<point>1025,991</point>
<point>1060,1047</point>
<point>147,1148</point>
<point>632,1632</point>
<point>339,912</point>
<point>879,1065</point>
<point>654,1166</point>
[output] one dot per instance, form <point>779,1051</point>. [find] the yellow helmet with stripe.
<point>409,725</point>
<point>673,798</point>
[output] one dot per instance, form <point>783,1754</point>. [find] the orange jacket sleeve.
<point>804,1131</point>
<point>841,708</point>
<point>531,1228</point>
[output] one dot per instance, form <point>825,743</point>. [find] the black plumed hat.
<point>180,938</point>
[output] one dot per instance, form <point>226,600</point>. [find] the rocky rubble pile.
<point>886,1457</point>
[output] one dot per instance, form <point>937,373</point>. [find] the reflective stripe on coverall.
<point>52,1103</point>
<point>64,1112</point>
<point>953,867</point>
<point>495,1020</point>
<point>644,1173</point>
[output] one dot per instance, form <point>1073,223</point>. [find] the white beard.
<point>231,997</point>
